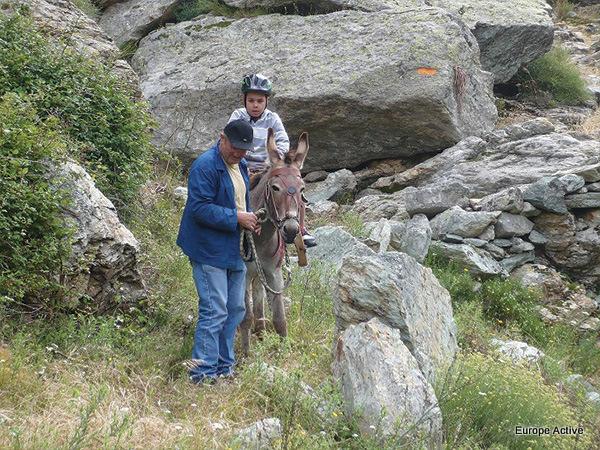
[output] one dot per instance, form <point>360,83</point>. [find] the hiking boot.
<point>309,240</point>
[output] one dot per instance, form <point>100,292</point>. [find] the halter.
<point>291,194</point>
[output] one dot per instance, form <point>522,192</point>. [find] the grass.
<point>562,8</point>
<point>88,7</point>
<point>554,73</point>
<point>118,381</point>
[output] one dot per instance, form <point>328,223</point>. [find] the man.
<point>216,209</point>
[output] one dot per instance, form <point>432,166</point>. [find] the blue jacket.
<point>209,231</point>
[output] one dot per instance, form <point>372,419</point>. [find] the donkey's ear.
<point>274,156</point>
<point>301,151</point>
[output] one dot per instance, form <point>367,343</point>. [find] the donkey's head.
<point>284,186</point>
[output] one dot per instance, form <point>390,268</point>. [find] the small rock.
<point>512,262</point>
<point>181,192</point>
<point>261,434</point>
<point>520,246</point>
<point>547,194</point>
<point>509,225</point>
<point>582,201</point>
<point>452,238</point>
<point>494,250</point>
<point>503,243</point>
<point>478,261</point>
<point>488,234</point>
<point>537,238</point>
<point>572,182</point>
<point>475,242</point>
<point>508,200</point>
<point>529,210</point>
<point>317,175</point>
<point>517,351</point>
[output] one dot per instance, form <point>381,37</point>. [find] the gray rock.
<point>517,155</point>
<point>593,187</point>
<point>366,192</point>
<point>408,297</point>
<point>580,201</point>
<point>375,207</point>
<point>181,192</point>
<point>261,434</point>
<point>380,235</point>
<point>452,238</point>
<point>520,246</point>
<point>382,386</point>
<point>488,234</point>
<point>334,244</point>
<point>412,237</point>
<point>512,262</point>
<point>547,194</point>
<point>508,200</point>
<point>462,223</point>
<point>477,261</point>
<point>502,243</point>
<point>475,242</point>
<point>104,259</point>
<point>190,64</point>
<point>494,250</point>
<point>336,186</point>
<point>130,21</point>
<point>518,352</point>
<point>575,252</point>
<point>319,209</point>
<point>572,183</point>
<point>509,225</point>
<point>62,19</point>
<point>433,201</point>
<point>529,210</point>
<point>537,238</point>
<point>317,175</point>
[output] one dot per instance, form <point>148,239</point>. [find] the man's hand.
<point>248,220</point>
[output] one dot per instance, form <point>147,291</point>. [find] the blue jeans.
<point>220,311</point>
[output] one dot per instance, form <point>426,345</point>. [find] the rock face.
<point>517,155</point>
<point>509,34</point>
<point>132,20</point>
<point>403,294</point>
<point>103,263</point>
<point>61,18</point>
<point>382,384</point>
<point>346,61</point>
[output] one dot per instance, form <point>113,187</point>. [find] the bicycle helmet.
<point>257,83</point>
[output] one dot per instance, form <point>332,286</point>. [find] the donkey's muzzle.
<point>290,230</point>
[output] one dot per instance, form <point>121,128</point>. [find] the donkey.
<point>279,192</point>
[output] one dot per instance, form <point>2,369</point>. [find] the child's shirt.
<point>258,157</point>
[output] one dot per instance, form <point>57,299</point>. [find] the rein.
<point>270,213</point>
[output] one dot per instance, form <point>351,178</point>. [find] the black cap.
<point>240,134</point>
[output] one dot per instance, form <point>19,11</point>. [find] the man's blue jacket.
<point>209,231</point>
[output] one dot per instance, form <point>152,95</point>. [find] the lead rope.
<point>247,255</point>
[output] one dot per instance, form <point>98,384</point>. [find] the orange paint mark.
<point>427,71</point>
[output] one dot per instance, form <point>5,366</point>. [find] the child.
<point>257,89</point>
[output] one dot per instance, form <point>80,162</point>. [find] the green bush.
<point>94,107</point>
<point>483,400</point>
<point>508,303</point>
<point>88,7</point>
<point>33,237</point>
<point>556,74</point>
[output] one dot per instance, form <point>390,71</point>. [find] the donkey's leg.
<point>258,297</point>
<point>275,279</point>
<point>246,324</point>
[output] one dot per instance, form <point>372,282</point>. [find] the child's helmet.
<point>256,83</point>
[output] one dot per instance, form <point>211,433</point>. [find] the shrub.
<point>483,401</point>
<point>562,8</point>
<point>555,73</point>
<point>33,237</point>
<point>94,107</point>
<point>508,302</point>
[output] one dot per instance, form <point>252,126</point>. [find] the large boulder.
<point>517,155</point>
<point>382,386</point>
<point>337,186</point>
<point>509,33</point>
<point>412,237</point>
<point>62,19</point>
<point>104,260</point>
<point>361,95</point>
<point>403,294</point>
<point>132,20</point>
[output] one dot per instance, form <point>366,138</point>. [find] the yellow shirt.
<point>238,185</point>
